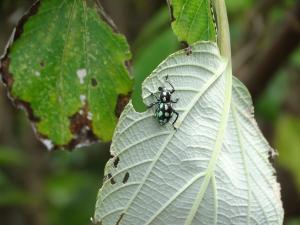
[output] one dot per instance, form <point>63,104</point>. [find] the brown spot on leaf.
<point>81,128</point>
<point>79,120</point>
<point>6,76</point>
<point>121,103</point>
<point>126,177</point>
<point>42,64</point>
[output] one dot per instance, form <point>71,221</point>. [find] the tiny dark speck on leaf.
<point>94,82</point>
<point>187,48</point>
<point>112,180</point>
<point>126,177</point>
<point>42,64</point>
<point>116,162</point>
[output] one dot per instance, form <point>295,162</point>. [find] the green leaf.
<point>288,143</point>
<point>213,169</point>
<point>192,20</point>
<point>66,67</point>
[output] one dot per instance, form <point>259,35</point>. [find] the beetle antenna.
<point>173,89</point>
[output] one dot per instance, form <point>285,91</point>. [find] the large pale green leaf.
<point>213,169</point>
<point>192,20</point>
<point>66,67</point>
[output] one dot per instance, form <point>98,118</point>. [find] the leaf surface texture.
<point>213,169</point>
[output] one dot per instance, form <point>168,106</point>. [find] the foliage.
<point>70,83</point>
<point>191,172</point>
<point>67,177</point>
<point>192,20</point>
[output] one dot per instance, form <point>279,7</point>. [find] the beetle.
<point>164,108</point>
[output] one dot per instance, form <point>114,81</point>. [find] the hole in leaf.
<point>110,177</point>
<point>126,177</point>
<point>116,162</point>
<point>94,82</point>
<point>121,103</point>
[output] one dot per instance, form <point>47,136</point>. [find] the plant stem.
<point>223,30</point>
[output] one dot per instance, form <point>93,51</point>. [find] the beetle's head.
<point>165,95</point>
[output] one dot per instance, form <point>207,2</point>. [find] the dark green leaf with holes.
<point>192,20</point>
<point>66,67</point>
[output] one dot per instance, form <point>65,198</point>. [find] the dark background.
<point>38,187</point>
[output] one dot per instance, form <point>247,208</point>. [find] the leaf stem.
<point>223,30</point>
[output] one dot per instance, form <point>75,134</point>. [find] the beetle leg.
<point>177,115</point>
<point>152,104</point>
<point>155,96</point>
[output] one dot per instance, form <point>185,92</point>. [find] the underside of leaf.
<point>213,169</point>
<point>66,67</point>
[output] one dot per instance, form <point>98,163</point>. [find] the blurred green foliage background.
<point>38,187</point>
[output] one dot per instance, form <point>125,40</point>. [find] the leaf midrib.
<point>217,148</point>
<point>59,83</point>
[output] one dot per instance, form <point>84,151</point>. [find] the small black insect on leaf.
<point>164,108</point>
